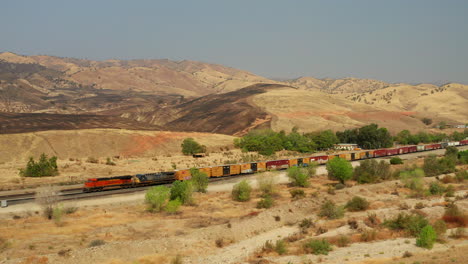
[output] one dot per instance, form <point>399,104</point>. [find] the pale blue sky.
<point>392,40</point>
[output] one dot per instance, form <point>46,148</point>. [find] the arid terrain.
<point>219,230</point>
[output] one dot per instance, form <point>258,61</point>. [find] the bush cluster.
<point>190,147</point>
<point>367,137</point>
<point>265,202</point>
<point>199,180</point>
<point>357,204</point>
<point>182,190</point>
<point>396,160</point>
<point>318,247</point>
<point>339,169</point>
<point>297,193</point>
<point>44,167</point>
<point>413,179</point>
<point>241,191</point>
<point>330,210</point>
<point>372,171</point>
<point>434,166</point>
<point>297,177</point>
<point>411,223</point>
<point>405,137</point>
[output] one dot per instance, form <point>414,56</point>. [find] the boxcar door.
<point>253,166</point>
<point>300,162</point>
<point>353,156</point>
<point>226,170</point>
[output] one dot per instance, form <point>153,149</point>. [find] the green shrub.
<point>297,177</point>
<point>331,211</point>
<point>451,153</point>
<point>306,223</point>
<point>266,202</point>
<point>110,162</point>
<point>173,206</point>
<point>426,238</point>
<point>297,193</point>
<point>412,224</point>
<point>461,175</point>
<point>368,235</point>
<point>436,189</point>
<point>371,171</point>
<point>156,197</point>
<point>433,166</point>
<point>339,169</point>
<point>450,191</point>
<point>182,190</point>
<point>190,147</point>
<point>96,243</point>
<point>311,169</point>
<point>463,157</point>
<point>440,228</point>
<point>266,185</point>
<point>318,247</point>
<point>280,247</point>
<point>44,167</point>
<point>343,241</point>
<point>413,179</point>
<point>57,214</point>
<point>241,191</point>
<point>199,180</point>
<point>357,204</point>
<point>396,160</point>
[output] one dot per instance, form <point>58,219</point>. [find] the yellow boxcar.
<point>206,170</point>
<point>330,157</point>
<point>261,166</point>
<point>292,162</point>
<point>182,175</point>
<point>217,171</point>
<point>235,169</point>
<point>362,155</point>
<point>246,168</point>
<point>306,161</point>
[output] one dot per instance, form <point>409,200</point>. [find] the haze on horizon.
<point>394,41</point>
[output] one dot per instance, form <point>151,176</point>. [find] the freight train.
<point>130,181</point>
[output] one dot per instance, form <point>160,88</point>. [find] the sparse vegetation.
<point>396,160</point>
<point>297,193</point>
<point>357,204</point>
<point>440,228</point>
<point>266,185</point>
<point>461,176</point>
<point>177,260</point>
<point>343,241</point>
<point>433,166</point>
<point>44,167</point>
<point>411,223</point>
<point>368,235</point>
<point>413,179</point>
<point>453,214</point>
<point>199,180</point>
<point>427,237</point>
<point>297,177</point>
<point>96,243</point>
<point>92,160</point>
<point>241,191</point>
<point>339,169</point>
<point>331,211</point>
<point>371,171</point>
<point>47,197</point>
<point>110,162</point>
<point>318,247</point>
<point>436,189</point>
<point>265,202</point>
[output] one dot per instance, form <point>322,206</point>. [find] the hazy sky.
<point>390,40</point>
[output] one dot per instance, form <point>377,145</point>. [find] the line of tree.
<point>367,137</point>
<point>405,137</point>
<point>43,167</point>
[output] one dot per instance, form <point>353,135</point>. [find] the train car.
<point>246,168</point>
<point>355,156</point>
<point>454,143</point>
<point>319,159</point>
<point>421,148</point>
<point>412,149</point>
<point>234,169</point>
<point>217,171</point>
<point>206,170</point>
<point>154,178</point>
<point>261,166</point>
<point>380,153</point>
<point>394,151</point>
<point>293,162</point>
<point>98,184</point>
<point>330,157</point>
<point>277,164</point>
<point>437,146</point>
<point>182,175</point>
<point>305,161</point>
<point>346,156</point>
<point>366,154</point>
<point>463,142</point>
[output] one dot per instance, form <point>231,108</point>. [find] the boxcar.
<point>206,170</point>
<point>182,175</point>
<point>217,171</point>
<point>319,159</point>
<point>403,150</point>
<point>234,169</point>
<point>277,164</point>
<point>421,147</point>
<point>293,162</point>
<point>380,153</point>
<point>247,167</point>
<point>330,157</point>
<point>437,146</point>
<point>261,166</point>
<point>393,152</point>
<point>464,142</point>
<point>412,149</point>
<point>305,161</point>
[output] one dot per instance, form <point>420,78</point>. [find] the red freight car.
<point>464,142</point>
<point>97,184</point>
<point>412,149</point>
<point>437,146</point>
<point>319,159</point>
<point>277,164</point>
<point>380,153</point>
<point>403,150</point>
<point>391,152</point>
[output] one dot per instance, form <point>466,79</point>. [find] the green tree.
<point>183,191</point>
<point>44,167</point>
<point>199,180</point>
<point>451,153</point>
<point>427,237</point>
<point>339,169</point>
<point>190,147</point>
<point>156,198</point>
<point>297,177</point>
<point>324,139</point>
<point>241,191</point>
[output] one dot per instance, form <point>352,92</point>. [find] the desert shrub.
<point>57,214</point>
<point>413,179</point>
<point>450,191</point>
<point>44,167</point>
<point>426,121</point>
<point>339,186</point>
<point>433,166</point>
<point>173,206</point>
<point>318,247</point>
<point>453,214</point>
<point>47,197</point>
<point>372,220</point>
<point>199,180</point>
<point>463,157</point>
<point>70,209</point>
<point>436,189</point>
<point>110,162</point>
<point>177,260</point>
<point>241,191</point>
<point>265,202</point>
<point>440,228</point>
<point>448,179</point>
<point>4,244</point>
<point>190,147</point>
<point>331,211</point>
<point>451,153</point>
<point>357,204</point>
<point>92,160</point>
<point>306,223</point>
<point>371,171</point>
<point>412,224</point>
<point>461,175</point>
<point>156,198</point>
<point>343,241</point>
<point>368,235</point>
<point>297,177</point>
<point>280,247</point>
<point>182,190</point>
<point>268,246</point>
<point>96,243</point>
<point>396,160</point>
<point>339,169</point>
<point>426,238</point>
<point>419,205</point>
<point>311,169</point>
<point>297,193</point>
<point>266,185</point>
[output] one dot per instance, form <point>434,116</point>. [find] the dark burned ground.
<point>228,113</point>
<point>22,123</point>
